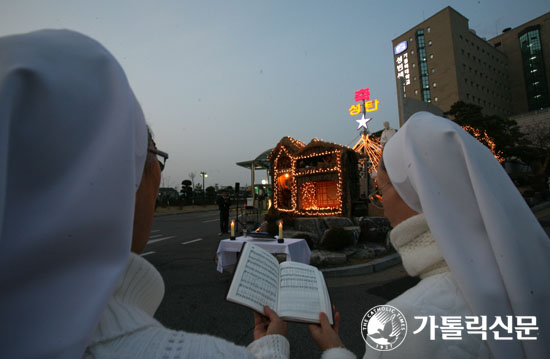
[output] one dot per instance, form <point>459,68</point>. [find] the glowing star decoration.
<point>363,123</point>
<point>362,95</point>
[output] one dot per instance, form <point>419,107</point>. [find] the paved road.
<point>182,247</point>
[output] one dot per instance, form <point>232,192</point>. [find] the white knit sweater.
<point>127,328</point>
<point>436,294</point>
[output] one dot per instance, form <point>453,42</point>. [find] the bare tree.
<point>539,136</point>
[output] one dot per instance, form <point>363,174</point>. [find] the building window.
<point>434,84</point>
<point>430,43</point>
<point>533,68</point>
<point>428,29</point>
<point>416,92</point>
<point>462,50</point>
<point>468,96</point>
<point>410,39</point>
<point>423,66</point>
<point>431,56</point>
<point>414,78</point>
<point>413,65</point>
<point>433,70</point>
<point>435,99</point>
<point>426,96</point>
<point>412,52</point>
<point>425,83</point>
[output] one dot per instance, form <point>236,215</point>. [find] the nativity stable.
<point>318,179</point>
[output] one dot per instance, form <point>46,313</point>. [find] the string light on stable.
<point>290,175</point>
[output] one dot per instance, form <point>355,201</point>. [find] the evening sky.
<point>222,81</point>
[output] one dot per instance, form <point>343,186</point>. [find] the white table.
<point>296,249</point>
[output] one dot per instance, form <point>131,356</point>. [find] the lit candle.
<point>280,229</point>
<point>232,228</point>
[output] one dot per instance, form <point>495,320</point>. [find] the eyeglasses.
<point>160,154</point>
<point>376,197</point>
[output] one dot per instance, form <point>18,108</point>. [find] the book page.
<point>256,279</point>
<point>302,293</point>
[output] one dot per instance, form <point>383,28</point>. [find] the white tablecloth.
<point>296,249</point>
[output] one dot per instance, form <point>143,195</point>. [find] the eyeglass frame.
<point>162,154</point>
<point>378,191</point>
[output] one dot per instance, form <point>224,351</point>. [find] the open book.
<point>295,291</point>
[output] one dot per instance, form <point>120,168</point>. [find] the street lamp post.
<point>203,175</point>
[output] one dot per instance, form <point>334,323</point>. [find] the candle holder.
<point>280,240</point>
<point>232,238</point>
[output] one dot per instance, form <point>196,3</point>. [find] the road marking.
<point>155,236</point>
<point>146,254</point>
<point>211,220</point>
<point>159,239</point>
<point>209,216</point>
<point>155,230</point>
<point>194,240</point>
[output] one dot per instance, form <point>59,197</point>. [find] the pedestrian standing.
<point>224,202</point>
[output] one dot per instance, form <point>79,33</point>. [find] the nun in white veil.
<point>493,244</point>
<point>486,255</point>
<point>73,144</point>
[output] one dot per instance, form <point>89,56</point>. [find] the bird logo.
<point>384,327</point>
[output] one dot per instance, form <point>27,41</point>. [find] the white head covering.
<point>492,242</point>
<point>72,149</point>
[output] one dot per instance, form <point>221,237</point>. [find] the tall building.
<point>524,47</point>
<point>441,61</point>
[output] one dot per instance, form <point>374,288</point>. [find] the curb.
<point>376,265</point>
<point>540,207</point>
<point>183,212</point>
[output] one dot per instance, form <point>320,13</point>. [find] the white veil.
<point>72,148</point>
<point>492,242</point>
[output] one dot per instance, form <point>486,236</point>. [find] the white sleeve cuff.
<point>270,346</point>
<point>338,353</point>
